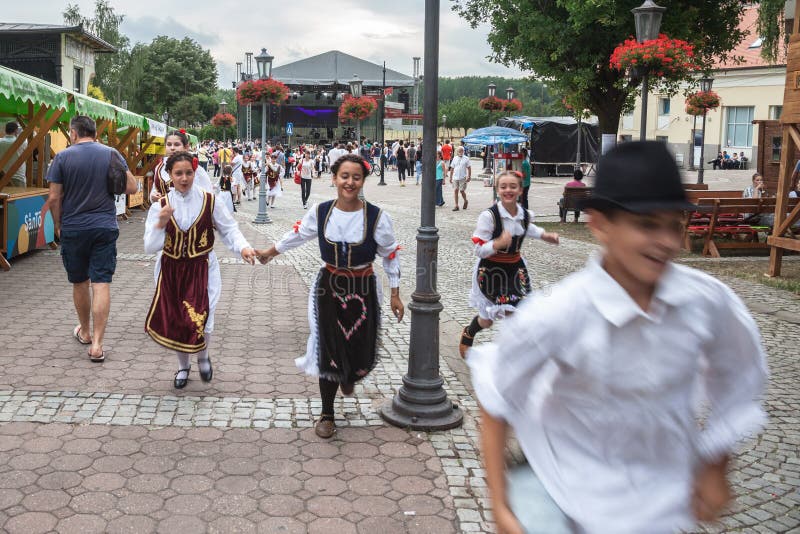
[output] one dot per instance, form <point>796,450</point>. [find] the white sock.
<point>203,362</point>
<point>183,363</point>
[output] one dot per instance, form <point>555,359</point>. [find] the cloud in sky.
<point>376,31</point>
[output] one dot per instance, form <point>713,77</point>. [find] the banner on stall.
<point>29,223</point>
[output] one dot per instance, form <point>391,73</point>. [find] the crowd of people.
<point>615,398</point>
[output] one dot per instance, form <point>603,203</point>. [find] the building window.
<point>777,142</point>
<point>775,112</point>
<point>739,129</point>
<point>627,120</point>
<point>663,138</point>
<point>663,106</point>
<point>77,80</point>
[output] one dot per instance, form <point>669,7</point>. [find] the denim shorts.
<point>535,510</point>
<point>89,254</point>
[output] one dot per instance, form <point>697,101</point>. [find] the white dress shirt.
<point>348,227</point>
<point>187,208</point>
<point>334,154</point>
<point>460,164</point>
<point>484,244</point>
<point>604,396</point>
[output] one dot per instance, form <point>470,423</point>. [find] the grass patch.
<point>578,231</point>
<point>753,271</point>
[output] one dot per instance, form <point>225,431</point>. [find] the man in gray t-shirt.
<point>86,222</point>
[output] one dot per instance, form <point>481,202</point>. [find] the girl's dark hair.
<point>352,158</point>
<point>227,170</point>
<point>180,135</point>
<point>176,157</point>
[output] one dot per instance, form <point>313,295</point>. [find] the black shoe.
<point>206,377</point>
<point>180,383</point>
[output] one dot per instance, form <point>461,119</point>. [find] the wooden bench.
<point>571,201</point>
<point>695,187</point>
<point>726,219</point>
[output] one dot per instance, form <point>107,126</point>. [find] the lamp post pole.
<point>648,22</point>
<point>381,159</point>
<point>264,64</point>
<point>421,403</point>
<point>705,86</point>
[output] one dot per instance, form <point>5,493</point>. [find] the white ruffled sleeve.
<point>734,380</point>
<point>153,237</point>
<point>388,249</point>
<point>228,229</point>
<point>304,230</point>
<point>482,237</point>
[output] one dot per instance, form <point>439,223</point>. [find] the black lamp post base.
<point>422,405</point>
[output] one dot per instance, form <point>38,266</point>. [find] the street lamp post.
<point>223,107</point>
<point>356,88</point>
<point>510,93</point>
<point>421,403</point>
<point>381,159</point>
<point>264,64</point>
<point>492,89</point>
<point>648,22</point>
<point>165,118</point>
<point>705,86</point>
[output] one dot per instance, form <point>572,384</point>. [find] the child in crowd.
<point>180,227</point>
<point>500,278</point>
<point>603,375</point>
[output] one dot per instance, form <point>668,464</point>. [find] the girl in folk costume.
<point>500,279</point>
<point>175,142</point>
<point>274,181</point>
<point>344,302</point>
<point>180,227</point>
<point>225,185</point>
<point>248,169</point>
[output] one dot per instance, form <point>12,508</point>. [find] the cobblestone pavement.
<point>114,448</point>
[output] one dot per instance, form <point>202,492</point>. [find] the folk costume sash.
<point>180,307</point>
<point>273,176</point>
<point>344,255</point>
<point>503,277</point>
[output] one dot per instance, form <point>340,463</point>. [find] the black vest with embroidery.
<point>516,241</point>
<point>346,255</point>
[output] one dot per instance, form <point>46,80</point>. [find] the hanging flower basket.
<point>492,103</point>
<point>702,102</point>
<point>662,57</point>
<point>515,104</point>
<point>357,109</point>
<point>223,120</point>
<point>255,91</point>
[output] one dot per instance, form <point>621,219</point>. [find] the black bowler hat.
<point>638,176</point>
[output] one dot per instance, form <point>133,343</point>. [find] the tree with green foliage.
<point>167,70</point>
<point>108,68</point>
<point>195,109</point>
<point>569,42</point>
<point>464,114</point>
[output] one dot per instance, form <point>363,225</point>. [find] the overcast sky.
<point>376,31</point>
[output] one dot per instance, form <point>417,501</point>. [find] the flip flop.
<point>77,334</point>
<point>97,359</point>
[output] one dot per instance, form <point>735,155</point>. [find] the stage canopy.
<point>337,68</point>
<point>555,139</point>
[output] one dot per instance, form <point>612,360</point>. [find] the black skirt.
<point>503,283</point>
<point>348,316</point>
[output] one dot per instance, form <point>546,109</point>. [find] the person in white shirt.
<point>180,228</point>
<point>460,173</point>
<point>12,131</point>
<point>342,346</point>
<point>604,374</point>
<point>239,183</point>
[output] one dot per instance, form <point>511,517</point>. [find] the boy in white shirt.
<point>602,377</point>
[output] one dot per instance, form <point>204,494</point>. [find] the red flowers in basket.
<point>701,102</point>
<point>254,91</point>
<point>664,57</point>
<point>512,105</point>
<point>492,103</point>
<point>357,108</point>
<point>223,120</point>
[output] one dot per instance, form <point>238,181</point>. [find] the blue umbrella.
<point>494,135</point>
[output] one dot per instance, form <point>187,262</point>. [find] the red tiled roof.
<point>752,56</point>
